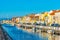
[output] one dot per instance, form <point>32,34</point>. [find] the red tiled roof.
<point>54,11</point>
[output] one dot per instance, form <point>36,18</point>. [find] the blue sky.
<point>10,8</point>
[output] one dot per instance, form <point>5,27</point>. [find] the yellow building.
<point>23,19</point>
<point>46,17</point>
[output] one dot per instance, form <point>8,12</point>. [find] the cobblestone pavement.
<point>3,35</point>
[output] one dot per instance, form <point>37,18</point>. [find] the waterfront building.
<point>57,17</point>
<point>22,19</point>
<point>55,14</point>
<point>46,18</point>
<point>6,21</point>
<point>32,16</point>
<point>16,19</point>
<point>13,19</point>
<point>25,19</point>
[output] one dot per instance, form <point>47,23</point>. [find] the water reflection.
<point>49,36</point>
<point>45,36</point>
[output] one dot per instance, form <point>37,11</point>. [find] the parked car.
<point>55,25</point>
<point>41,24</point>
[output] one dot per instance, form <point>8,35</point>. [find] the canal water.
<point>18,34</point>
